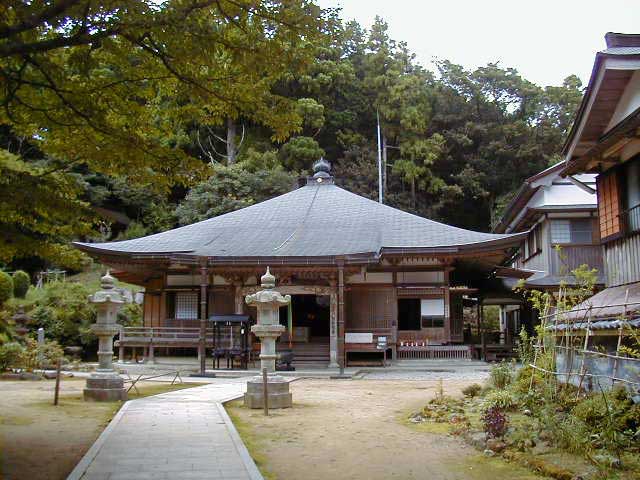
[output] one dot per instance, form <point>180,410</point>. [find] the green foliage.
<point>526,347</point>
<point>232,188</point>
<point>502,399</point>
<point>40,356</point>
<point>130,315</point>
<point>300,153</point>
<point>64,313</point>
<point>501,374</point>
<point>6,287</point>
<point>113,88</point>
<point>21,282</point>
<point>11,355</point>
<point>472,390</point>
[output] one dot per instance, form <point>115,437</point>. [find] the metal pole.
<point>265,392</point>
<point>379,159</point>
<point>57,389</point>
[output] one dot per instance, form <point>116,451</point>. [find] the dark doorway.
<point>409,314</point>
<point>309,311</point>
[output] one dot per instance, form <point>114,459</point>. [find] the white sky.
<point>545,40</point>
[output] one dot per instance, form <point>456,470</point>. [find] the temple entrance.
<point>311,324</point>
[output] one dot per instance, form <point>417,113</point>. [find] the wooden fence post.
<point>57,389</point>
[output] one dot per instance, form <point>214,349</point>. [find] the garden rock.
<point>496,445</point>
<point>489,453</point>
<point>478,440</point>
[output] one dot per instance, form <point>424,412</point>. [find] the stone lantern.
<point>105,385</point>
<point>21,319</point>
<point>268,302</point>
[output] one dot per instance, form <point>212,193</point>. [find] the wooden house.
<point>605,141</point>
<point>362,274</point>
<point>554,212</point>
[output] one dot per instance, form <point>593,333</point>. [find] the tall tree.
<point>114,86</point>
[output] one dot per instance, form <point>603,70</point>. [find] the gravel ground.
<point>420,375</point>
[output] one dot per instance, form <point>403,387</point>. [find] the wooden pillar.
<point>202,346</point>
<point>394,320</point>
<point>341,315</point>
<point>483,339</point>
<point>239,299</point>
<point>333,326</point>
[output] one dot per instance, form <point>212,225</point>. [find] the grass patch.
<point>149,390</point>
<point>252,443</point>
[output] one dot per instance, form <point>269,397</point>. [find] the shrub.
<point>6,287</point>
<point>502,399</point>
<point>41,356</point>
<point>10,355</point>
<point>472,390</point>
<point>21,282</point>
<point>494,422</point>
<point>501,374</point>
<point>65,314</point>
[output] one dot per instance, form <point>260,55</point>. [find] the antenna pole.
<point>379,160</point>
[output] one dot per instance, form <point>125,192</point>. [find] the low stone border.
<point>250,465</point>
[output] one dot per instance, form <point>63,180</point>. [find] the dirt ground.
<point>41,441</point>
<point>357,429</point>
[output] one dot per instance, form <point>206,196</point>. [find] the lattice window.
<point>608,204</point>
<point>186,305</point>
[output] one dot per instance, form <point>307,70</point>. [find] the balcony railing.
<point>631,219</point>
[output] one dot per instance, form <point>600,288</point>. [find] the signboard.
<point>359,337</point>
<point>382,343</point>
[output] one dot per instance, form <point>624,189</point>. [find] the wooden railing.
<point>434,352</point>
<point>162,336</point>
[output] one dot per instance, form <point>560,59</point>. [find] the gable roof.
<point>612,70</point>
<point>317,220</point>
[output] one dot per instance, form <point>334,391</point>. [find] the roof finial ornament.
<point>107,282</point>
<point>321,168</point>
<point>268,280</point>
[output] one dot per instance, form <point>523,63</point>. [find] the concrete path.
<point>178,435</point>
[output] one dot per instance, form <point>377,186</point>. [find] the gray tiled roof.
<point>314,220</point>
<point>622,51</point>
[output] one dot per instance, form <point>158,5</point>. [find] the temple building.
<point>361,274</point>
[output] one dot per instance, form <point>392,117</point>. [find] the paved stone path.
<point>178,435</point>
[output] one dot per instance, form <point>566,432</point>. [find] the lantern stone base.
<point>278,393</point>
<point>105,389</point>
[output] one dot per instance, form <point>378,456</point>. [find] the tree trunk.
<point>413,193</point>
<point>232,152</point>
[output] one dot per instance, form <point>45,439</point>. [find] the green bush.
<point>472,390</point>
<point>65,314</point>
<point>501,374</point>
<point>502,399</point>
<point>21,282</point>
<point>6,287</point>
<point>11,355</point>
<point>41,356</point>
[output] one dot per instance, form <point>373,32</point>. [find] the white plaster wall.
<point>182,280</point>
<point>629,101</point>
<point>420,277</point>
<point>567,194</point>
<point>371,277</point>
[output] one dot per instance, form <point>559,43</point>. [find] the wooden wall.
<point>622,260</point>
<point>370,307</point>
